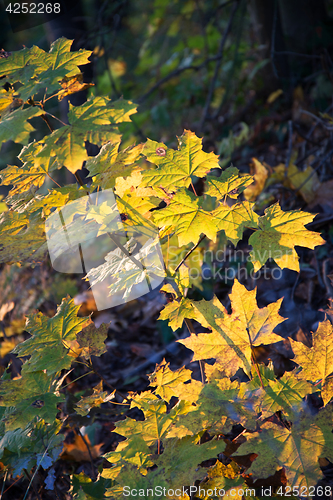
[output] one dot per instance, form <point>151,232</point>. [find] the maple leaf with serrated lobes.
<point>36,69</point>
<point>317,361</point>
<point>186,214</point>
<point>165,380</point>
<point>296,448</point>
<point>157,421</point>
<point>176,311</point>
<point>233,220</point>
<point>97,397</point>
<point>92,121</point>
<point>233,336</point>
<point>110,163</point>
<point>219,405</point>
<point>28,397</point>
<point>52,338</point>
<point>188,218</point>
<point>230,183</point>
<point>224,477</point>
<point>175,168</point>
<point>15,127</point>
<point>181,459</point>
<point>271,394</point>
<point>72,84</point>
<point>33,171</point>
<point>277,236</point>
<point>91,340</point>
<point>22,237</point>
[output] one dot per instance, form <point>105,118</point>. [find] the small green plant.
<point>186,422</point>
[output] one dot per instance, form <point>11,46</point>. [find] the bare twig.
<point>174,73</point>
<point>189,252</point>
<point>31,482</point>
<point>217,67</point>
<point>317,118</point>
<point>107,383</point>
<point>79,433</point>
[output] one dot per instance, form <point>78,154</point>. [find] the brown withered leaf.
<point>91,339</point>
<point>72,84</point>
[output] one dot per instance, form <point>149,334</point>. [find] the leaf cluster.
<point>185,422</point>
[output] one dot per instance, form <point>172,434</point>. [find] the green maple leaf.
<point>230,183</point>
<point>132,479</point>
<point>233,336</point>
<point>25,448</point>
<point>29,396</point>
<point>166,381</point>
<point>22,237</point>
<point>285,393</point>
<point>181,458</point>
<point>23,227</point>
<point>297,449</point>
<point>317,361</point>
<point>175,168</point>
<point>91,340</point>
<point>94,121</point>
<point>157,421</point>
<point>33,171</point>
<point>15,126</point>
<point>135,452</point>
<point>219,405</point>
<point>52,338</point>
<point>86,489</point>
<point>110,164</point>
<point>175,312</point>
<point>98,397</point>
<point>277,236</point>
<point>36,69</point>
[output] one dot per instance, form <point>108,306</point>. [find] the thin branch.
<point>174,73</point>
<point>296,54</point>
<point>217,67</point>
<point>189,252</point>
<point>79,433</point>
<point>47,113</point>
<point>107,383</point>
<point>317,118</point>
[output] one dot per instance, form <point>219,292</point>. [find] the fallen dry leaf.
<point>76,449</point>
